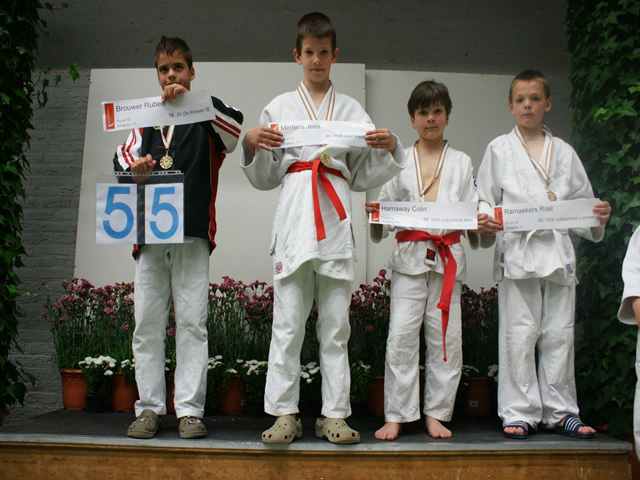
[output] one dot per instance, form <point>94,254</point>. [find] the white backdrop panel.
<point>479,114</point>
<point>244,214</point>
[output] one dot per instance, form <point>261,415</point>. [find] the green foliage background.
<point>604,43</point>
<point>19,25</point>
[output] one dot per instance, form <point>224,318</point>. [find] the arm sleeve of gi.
<point>631,279</point>
<point>580,187</point>
<point>262,168</point>
<point>489,191</point>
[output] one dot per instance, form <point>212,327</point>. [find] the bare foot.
<point>389,431</point>
<point>436,429</point>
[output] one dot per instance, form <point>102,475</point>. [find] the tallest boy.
<point>312,243</point>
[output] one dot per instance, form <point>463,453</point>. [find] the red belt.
<point>319,175</point>
<point>442,243</point>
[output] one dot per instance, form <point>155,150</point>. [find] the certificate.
<point>192,107</point>
<point>427,215</point>
<point>323,132</point>
<point>554,215</point>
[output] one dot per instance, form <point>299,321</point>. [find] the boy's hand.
<point>371,207</point>
<point>170,92</point>
<point>602,211</point>
<point>487,224</point>
<point>381,138</point>
<point>142,168</point>
<point>263,137</point>
<point>635,305</point>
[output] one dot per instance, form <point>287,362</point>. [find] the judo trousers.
<point>414,300</point>
<point>293,299</point>
<point>181,271</point>
<point>536,315</point>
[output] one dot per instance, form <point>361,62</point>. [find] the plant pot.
<point>170,395</point>
<point>124,394</point>
<point>74,389</point>
<point>100,400</point>
<point>477,402</point>
<point>233,397</point>
<point>375,399</point>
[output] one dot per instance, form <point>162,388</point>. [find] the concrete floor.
<point>78,427</point>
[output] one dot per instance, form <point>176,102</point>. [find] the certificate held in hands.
<point>559,215</point>
<point>427,215</point>
<point>323,132</point>
<point>192,107</point>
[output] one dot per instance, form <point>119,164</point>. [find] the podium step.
<point>76,445</point>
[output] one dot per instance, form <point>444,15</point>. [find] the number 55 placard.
<point>117,213</point>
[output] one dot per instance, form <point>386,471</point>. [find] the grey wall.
<point>497,36</point>
<point>491,37</point>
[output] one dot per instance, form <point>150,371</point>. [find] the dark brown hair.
<point>429,93</point>
<point>169,45</point>
<point>316,25</point>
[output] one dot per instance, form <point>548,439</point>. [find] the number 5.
<point>157,206</point>
<point>113,206</point>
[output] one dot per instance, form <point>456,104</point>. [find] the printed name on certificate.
<point>192,107</point>
<point>559,215</point>
<point>323,132</point>
<point>427,215</point>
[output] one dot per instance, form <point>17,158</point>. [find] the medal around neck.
<point>166,161</point>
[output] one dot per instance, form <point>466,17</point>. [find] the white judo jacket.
<point>506,177</point>
<point>294,240</point>
<point>456,185</point>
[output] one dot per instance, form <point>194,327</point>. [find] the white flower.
<point>108,373</point>
<point>304,374</point>
<point>232,371</point>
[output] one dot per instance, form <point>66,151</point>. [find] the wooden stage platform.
<point>67,445</point>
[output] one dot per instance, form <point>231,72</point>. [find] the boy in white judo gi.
<point>535,269</point>
<point>179,271</point>
<point>427,269</point>
<point>312,244</point>
<point>629,313</point>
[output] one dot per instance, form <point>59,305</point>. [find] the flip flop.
<point>570,427</point>
<point>517,424</point>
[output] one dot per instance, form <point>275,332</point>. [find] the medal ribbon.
<point>307,102</point>
<point>319,175</point>
<point>166,141</point>
<point>436,175</point>
<point>544,168</point>
<point>442,244</point>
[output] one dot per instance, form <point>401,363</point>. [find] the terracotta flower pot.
<point>477,401</point>
<point>124,394</point>
<point>233,397</point>
<point>74,389</point>
<point>375,400</point>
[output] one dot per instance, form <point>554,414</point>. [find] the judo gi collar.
<point>328,102</point>
<point>542,167</point>
<point>423,189</point>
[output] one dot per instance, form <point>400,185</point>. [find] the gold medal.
<point>166,161</point>
<point>552,196</point>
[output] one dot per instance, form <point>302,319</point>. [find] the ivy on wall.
<point>19,25</point>
<point>604,45</point>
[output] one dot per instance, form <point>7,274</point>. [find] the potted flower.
<point>361,381</point>
<point>98,372</point>
<point>310,387</point>
<point>125,391</point>
<point>215,376</point>
<point>233,393</point>
<point>254,375</point>
<point>480,349</point>
<point>68,320</point>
